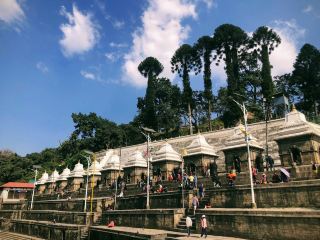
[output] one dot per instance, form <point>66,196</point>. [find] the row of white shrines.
<point>291,141</point>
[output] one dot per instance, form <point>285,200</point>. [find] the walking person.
<point>204,226</point>
<point>201,191</point>
<point>188,224</point>
<point>195,203</point>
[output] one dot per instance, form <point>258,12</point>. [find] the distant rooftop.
<point>17,185</point>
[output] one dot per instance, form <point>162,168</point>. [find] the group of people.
<point>203,225</point>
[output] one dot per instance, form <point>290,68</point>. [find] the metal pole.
<point>115,196</point>
<point>148,172</point>
<point>86,194</point>
<point>35,180</point>
<point>92,181</point>
<point>266,116</point>
<point>253,201</point>
<point>182,190</point>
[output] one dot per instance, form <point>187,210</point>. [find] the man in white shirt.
<point>189,224</point>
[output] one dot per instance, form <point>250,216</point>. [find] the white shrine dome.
<point>78,171</point>
<point>95,168</point>
<point>106,157</point>
<point>113,163</point>
<point>65,174</point>
<point>166,152</point>
<point>54,176</point>
<point>44,178</point>
<point>136,160</point>
<point>199,145</point>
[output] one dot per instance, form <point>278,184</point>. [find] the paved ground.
<point>15,236</point>
<point>154,232</point>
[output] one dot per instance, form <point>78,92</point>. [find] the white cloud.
<point>307,9</point>
<point>283,57</point>
<point>113,56</point>
<point>88,75</point>
<point>11,11</point>
<point>210,3</point>
<point>80,34</point>
<point>42,67</point>
<point>118,24</point>
<point>118,45</point>
<point>161,34</point>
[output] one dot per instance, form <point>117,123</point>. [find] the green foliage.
<point>230,42</point>
<point>151,68</point>
<point>167,104</point>
<point>306,78</point>
<point>204,48</point>
<point>183,62</point>
<point>264,41</point>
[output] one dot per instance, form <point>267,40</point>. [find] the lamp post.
<point>115,195</point>
<point>183,153</point>
<point>266,112</point>
<point>86,193</point>
<point>245,115</point>
<point>35,167</point>
<point>147,136</point>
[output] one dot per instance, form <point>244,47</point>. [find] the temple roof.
<point>199,145</point>
<point>95,168</point>
<point>136,160</point>
<point>237,140</point>
<point>106,157</point>
<point>44,178</point>
<point>78,171</point>
<point>65,174</point>
<point>296,125</point>
<point>113,163</point>
<point>166,152</point>
<point>53,177</point>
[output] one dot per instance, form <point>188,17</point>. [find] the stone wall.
<point>279,196</point>
<point>143,218</point>
<point>72,205</point>
<point>262,225</point>
<point>61,217</point>
<point>161,200</point>
<point>47,231</point>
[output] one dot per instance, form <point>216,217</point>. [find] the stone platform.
<point>15,236</point>
<point>128,233</point>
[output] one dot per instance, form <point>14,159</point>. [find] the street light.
<point>88,164</point>
<point>147,136</point>
<point>35,167</point>
<point>245,112</point>
<point>115,195</point>
<point>183,153</point>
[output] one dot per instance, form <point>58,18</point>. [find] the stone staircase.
<point>15,236</point>
<point>182,227</point>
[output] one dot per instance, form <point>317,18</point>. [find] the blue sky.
<point>59,57</point>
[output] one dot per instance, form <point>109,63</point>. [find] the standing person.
<point>254,174</point>
<point>195,181</point>
<point>188,224</point>
<point>270,163</point>
<point>204,226</point>
<point>237,163</point>
<point>195,203</point>
<point>314,168</point>
<point>201,191</point>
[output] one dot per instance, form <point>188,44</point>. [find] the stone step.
<point>184,226</point>
<point>15,236</point>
